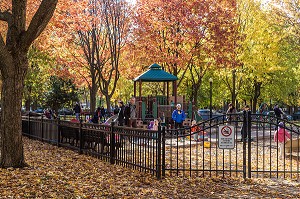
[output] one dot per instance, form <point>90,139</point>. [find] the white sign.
<point>226,137</point>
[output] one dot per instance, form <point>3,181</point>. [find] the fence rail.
<point>130,147</point>
<point>182,152</point>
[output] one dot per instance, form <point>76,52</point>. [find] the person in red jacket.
<point>281,135</point>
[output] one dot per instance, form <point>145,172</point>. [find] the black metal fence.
<point>131,147</point>
<point>203,150</point>
<point>253,153</point>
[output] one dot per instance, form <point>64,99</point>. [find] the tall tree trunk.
<point>13,67</point>
<point>195,92</point>
<point>233,93</point>
<point>27,104</point>
<point>28,100</point>
<point>93,96</point>
<point>11,150</point>
<point>257,87</point>
<point>108,103</point>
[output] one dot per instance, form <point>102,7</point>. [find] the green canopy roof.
<point>155,74</point>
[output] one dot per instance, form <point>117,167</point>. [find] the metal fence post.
<point>42,127</point>
<point>163,151</point>
<point>244,133</point>
<point>29,125</point>
<point>158,153</point>
<point>249,142</point>
<point>112,144</point>
<point>81,140</point>
<point>58,131</point>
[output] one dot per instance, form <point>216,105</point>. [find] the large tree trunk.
<point>11,151</point>
<point>27,104</point>
<point>233,93</point>
<point>93,94</point>
<point>13,67</point>
<point>108,104</point>
<point>257,87</point>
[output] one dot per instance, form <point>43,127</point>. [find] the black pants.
<point>132,123</point>
<point>179,126</point>
<point>243,132</point>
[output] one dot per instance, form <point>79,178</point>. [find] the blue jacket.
<point>178,117</point>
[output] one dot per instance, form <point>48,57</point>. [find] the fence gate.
<point>207,150</point>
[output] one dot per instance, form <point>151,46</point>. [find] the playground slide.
<point>111,119</point>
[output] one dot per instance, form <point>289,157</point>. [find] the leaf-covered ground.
<point>60,173</point>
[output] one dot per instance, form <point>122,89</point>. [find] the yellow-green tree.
<point>286,16</point>
<point>259,51</point>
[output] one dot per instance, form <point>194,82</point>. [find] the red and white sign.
<point>226,137</point>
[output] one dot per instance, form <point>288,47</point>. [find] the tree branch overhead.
<point>6,16</point>
<point>39,21</point>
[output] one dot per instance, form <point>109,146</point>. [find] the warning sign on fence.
<point>226,137</point>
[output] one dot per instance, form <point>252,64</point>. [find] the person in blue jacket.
<point>178,116</point>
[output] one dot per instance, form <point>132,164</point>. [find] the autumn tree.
<point>258,51</point>
<point>187,37</point>
<point>100,29</point>
<point>37,77</point>
<point>14,46</point>
<point>285,15</point>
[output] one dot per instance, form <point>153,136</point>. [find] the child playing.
<point>195,129</point>
<point>198,133</point>
<point>155,125</point>
<point>281,136</point>
<point>150,126</point>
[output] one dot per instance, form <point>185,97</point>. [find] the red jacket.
<point>281,135</point>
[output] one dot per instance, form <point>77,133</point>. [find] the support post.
<point>134,89</point>
<point>81,139</point>
<point>29,125</point>
<point>244,133</point>
<point>163,166</point>
<point>112,144</point>
<point>249,142</point>
<point>210,98</point>
<point>58,131</point>
<point>158,153</point>
<point>42,120</point>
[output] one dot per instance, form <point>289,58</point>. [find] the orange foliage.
<point>59,40</point>
<point>173,32</point>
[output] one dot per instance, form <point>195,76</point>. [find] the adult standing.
<point>278,112</point>
<point>178,116</point>
<point>121,113</point>
<point>102,112</point>
<point>230,113</point>
<point>77,111</point>
<point>96,116</point>
<point>243,129</point>
<point>130,113</point>
<point>262,108</point>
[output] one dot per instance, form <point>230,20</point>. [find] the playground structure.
<point>159,106</point>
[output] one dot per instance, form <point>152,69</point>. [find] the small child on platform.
<point>153,125</point>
